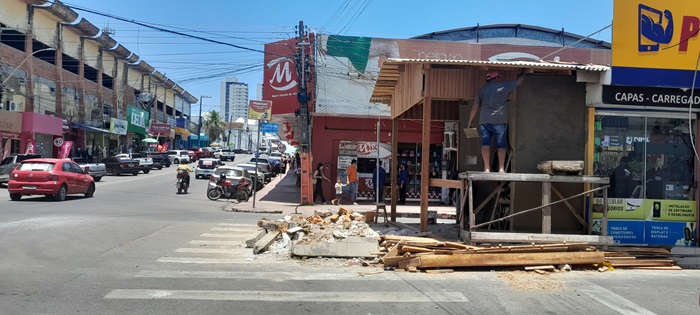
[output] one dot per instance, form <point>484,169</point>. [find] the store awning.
<point>88,128</point>
<point>182,132</point>
<point>203,137</point>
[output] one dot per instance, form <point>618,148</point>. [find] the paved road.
<point>138,248</point>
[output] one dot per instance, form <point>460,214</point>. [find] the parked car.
<point>192,155</point>
<point>240,151</point>
<point>233,174</point>
<point>280,158</point>
<point>95,169</point>
<point>161,158</point>
<point>117,165</point>
<point>201,153</point>
<point>145,162</point>
<point>9,163</point>
<point>178,155</point>
<point>225,154</point>
<point>262,161</point>
<point>53,178</point>
<point>259,183</point>
<point>206,167</point>
<point>262,169</point>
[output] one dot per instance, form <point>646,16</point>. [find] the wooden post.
<point>604,231</point>
<point>546,211</point>
<point>394,167</point>
<point>470,189</point>
<point>425,165</point>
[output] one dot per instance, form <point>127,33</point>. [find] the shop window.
<point>645,157</point>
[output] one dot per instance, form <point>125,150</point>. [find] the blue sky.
<point>199,66</point>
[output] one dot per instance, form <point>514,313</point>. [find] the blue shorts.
<point>494,130</point>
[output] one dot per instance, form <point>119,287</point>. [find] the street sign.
<point>58,142</point>
<point>269,127</point>
<point>281,147</point>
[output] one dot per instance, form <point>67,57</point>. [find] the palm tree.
<point>214,125</point>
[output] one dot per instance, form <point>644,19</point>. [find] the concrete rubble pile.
<point>343,234</point>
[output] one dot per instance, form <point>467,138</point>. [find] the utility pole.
<point>303,95</point>
<point>199,127</point>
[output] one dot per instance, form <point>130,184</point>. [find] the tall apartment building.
<point>234,99</point>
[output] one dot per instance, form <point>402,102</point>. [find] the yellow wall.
<point>14,14</point>
<point>71,43</point>
<point>44,27</point>
<point>91,49</point>
<point>107,63</point>
<point>135,79</point>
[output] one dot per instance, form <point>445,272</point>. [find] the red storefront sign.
<point>159,129</point>
<point>281,82</point>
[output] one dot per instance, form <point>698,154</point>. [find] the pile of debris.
<point>343,234</point>
<point>413,253</point>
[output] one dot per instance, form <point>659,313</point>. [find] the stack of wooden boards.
<point>654,258</point>
<point>412,253</point>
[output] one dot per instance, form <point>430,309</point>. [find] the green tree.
<point>213,125</point>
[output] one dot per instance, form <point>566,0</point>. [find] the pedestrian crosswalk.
<point>219,255</point>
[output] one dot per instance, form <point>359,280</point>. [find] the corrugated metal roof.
<point>504,64</point>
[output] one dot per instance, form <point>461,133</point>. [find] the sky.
<point>200,66</point>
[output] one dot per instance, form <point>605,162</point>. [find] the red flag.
<point>64,152</point>
<point>31,147</point>
<point>6,152</point>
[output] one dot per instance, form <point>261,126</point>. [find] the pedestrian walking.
<point>317,180</point>
<point>378,180</point>
<point>338,192</point>
<point>352,181</point>
<point>403,181</point>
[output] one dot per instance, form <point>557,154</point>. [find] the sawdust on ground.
<point>532,281</point>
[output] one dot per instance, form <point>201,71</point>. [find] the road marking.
<point>272,276</point>
<point>613,300</point>
<point>199,260</point>
<point>209,250</point>
<point>201,242</point>
<point>289,296</point>
<point>223,229</point>
<point>243,237</point>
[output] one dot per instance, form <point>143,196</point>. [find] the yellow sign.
<point>655,42</point>
<point>671,210</point>
<point>619,208</point>
<point>260,110</point>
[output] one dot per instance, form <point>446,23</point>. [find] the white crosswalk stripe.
<point>288,296</point>
<point>218,258</point>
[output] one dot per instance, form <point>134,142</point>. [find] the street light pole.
<point>23,61</point>
<point>199,127</point>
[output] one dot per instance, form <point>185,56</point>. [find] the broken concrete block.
<point>262,244</point>
<point>254,237</point>
<point>352,246</point>
<point>294,230</point>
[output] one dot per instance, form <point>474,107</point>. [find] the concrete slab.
<point>352,246</point>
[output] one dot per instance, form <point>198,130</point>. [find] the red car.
<point>54,178</point>
<point>193,156</point>
<point>201,153</point>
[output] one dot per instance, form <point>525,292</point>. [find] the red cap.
<point>491,74</point>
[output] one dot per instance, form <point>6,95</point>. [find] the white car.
<point>206,167</point>
<point>176,156</point>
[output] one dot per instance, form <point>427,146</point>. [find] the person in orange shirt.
<point>352,181</point>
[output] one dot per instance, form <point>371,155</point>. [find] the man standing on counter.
<point>493,117</point>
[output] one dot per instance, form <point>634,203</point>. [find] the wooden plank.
<point>570,207</point>
<point>262,244</point>
<point>510,259</point>
<point>425,157</point>
<point>447,183</point>
<point>546,211</point>
<point>525,177</point>
<point>510,237</point>
<point>398,238</point>
<point>394,166</point>
<point>414,249</point>
<point>545,267</point>
<point>392,257</point>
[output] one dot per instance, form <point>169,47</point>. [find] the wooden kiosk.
<point>433,91</point>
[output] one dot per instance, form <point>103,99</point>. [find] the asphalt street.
<point>139,248</point>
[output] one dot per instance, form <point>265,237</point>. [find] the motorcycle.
<point>226,189</point>
<point>181,183</point>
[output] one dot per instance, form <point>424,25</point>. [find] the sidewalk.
<point>282,196</point>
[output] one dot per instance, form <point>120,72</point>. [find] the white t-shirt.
<point>339,188</point>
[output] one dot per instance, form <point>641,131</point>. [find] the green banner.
<point>671,210</point>
<point>137,120</point>
<point>620,208</point>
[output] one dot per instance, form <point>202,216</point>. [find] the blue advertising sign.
<point>623,231</point>
<point>670,233</point>
<point>269,127</point>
